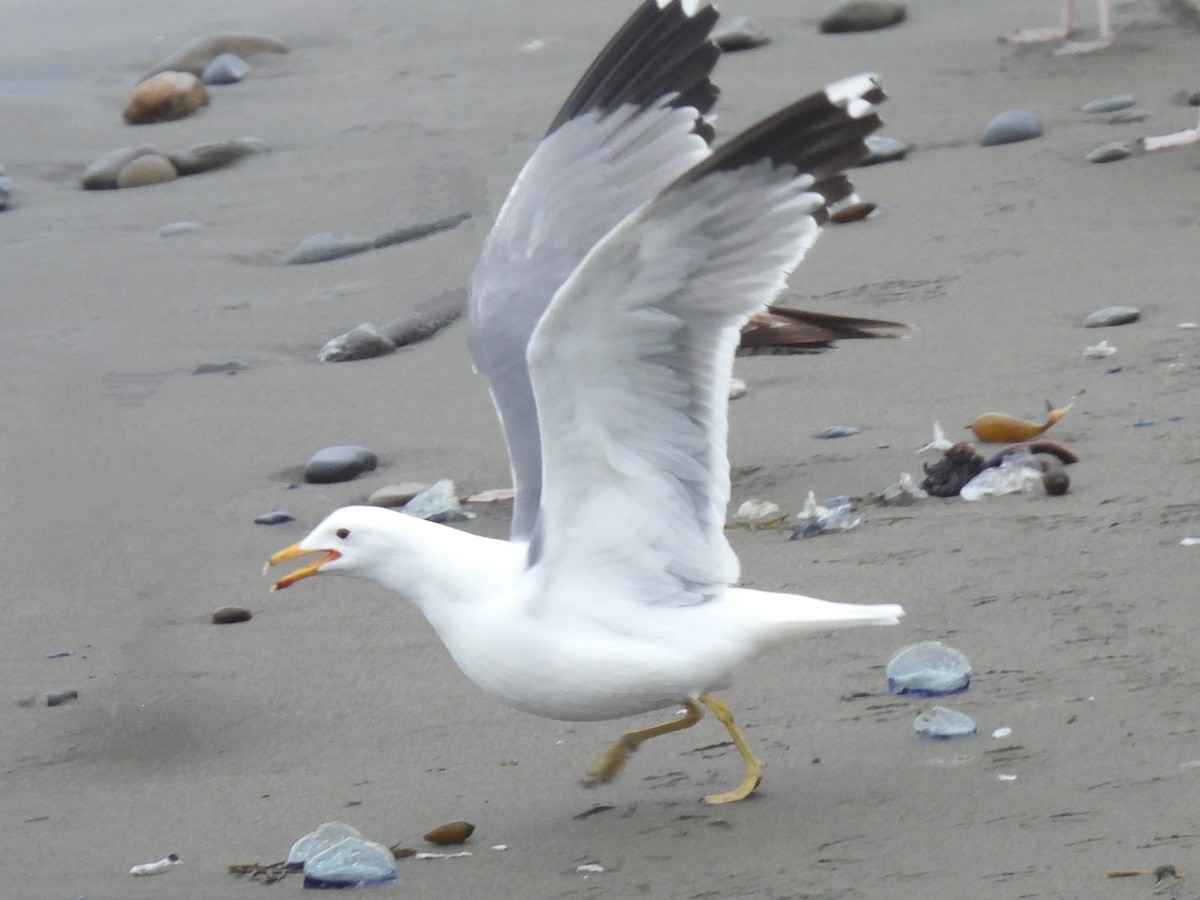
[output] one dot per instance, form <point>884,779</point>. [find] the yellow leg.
<point>754,768</point>
<point>614,759</point>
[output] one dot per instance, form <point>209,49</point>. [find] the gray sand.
<point>130,485</point>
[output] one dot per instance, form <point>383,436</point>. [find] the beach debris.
<point>946,477</point>
<point>325,246</point>
<point>165,96</point>
<point>939,442</point>
<point>842,213</point>
<point>1109,104</point>
<point>590,868</point>
<point>1188,326</point>
<point>225,68</point>
<point>1011,127</point>
<point>738,33</point>
<point>146,170</point>
<point>928,669</point>
<point>396,494</point>
<point>220,367</point>
<point>1164,876</point>
<point>837,431</point>
<point>195,55</point>
<point>276,517</point>
<point>437,503</point>
<point>1113,151</point>
<point>1102,350</point>
<point>904,492</point>
<point>341,463</point>
<point>1002,732</point>
<point>491,495</point>
<point>1190,542</point>
<point>60,696</point>
<point>834,514</point>
<point>231,615</point>
<point>1056,481</point>
<point>998,428</point>
<point>156,868</point>
<point>363,342</point>
<point>183,226</point>
<point>1018,473</point>
<point>737,389</point>
<point>939,723</point>
<point>6,185</point>
<point>352,862</point>
<point>1006,777</point>
<point>757,514</point>
<point>450,833</point>
<point>863,15</point>
<point>209,155</point>
<point>325,836</point>
<point>884,149</point>
<point>1041,448</point>
<point>428,854</point>
<point>1112,315</point>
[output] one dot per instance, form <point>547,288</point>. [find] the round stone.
<point>230,615</point>
<point>146,170</point>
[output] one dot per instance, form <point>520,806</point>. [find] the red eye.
<point>343,533</point>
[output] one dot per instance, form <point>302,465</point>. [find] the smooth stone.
<point>220,367</point>
<point>838,431</point>
<point>276,517</point>
<point>172,229</point>
<point>1011,127</point>
<point>1111,152</point>
<point>198,53</point>
<point>61,696</point>
<point>231,615</point>
<point>396,494</point>
<point>324,246</point>
<point>6,185</point>
<point>428,319</point>
<point>145,171</point>
<point>882,149</point>
<point>419,230</point>
<point>214,154</point>
<point>1112,315</point>
<point>364,342</point>
<point>863,15</point>
<point>165,97</point>
<point>101,173</point>
<point>1109,104</point>
<point>738,33</point>
<point>225,68</point>
<point>342,463</point>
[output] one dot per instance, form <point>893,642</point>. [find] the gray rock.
<point>101,174</point>
<point>61,696</point>
<point>171,229</point>
<point>419,230</point>
<point>334,464</point>
<point>220,367</point>
<point>863,15</point>
<point>226,68</point>
<point>231,615</point>
<point>324,247</point>
<point>838,431</point>
<point>1112,315</point>
<point>738,33</point>
<point>278,517</point>
<point>214,154</point>
<point>1011,127</point>
<point>6,184</point>
<point>1109,104</point>
<point>396,494</point>
<point>881,149</point>
<point>363,342</point>
<point>196,54</point>
<point>1111,152</point>
<point>428,319</point>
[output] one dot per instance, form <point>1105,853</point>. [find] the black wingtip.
<point>660,52</point>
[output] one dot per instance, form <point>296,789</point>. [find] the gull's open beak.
<point>295,552</point>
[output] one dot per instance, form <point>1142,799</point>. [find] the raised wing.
<point>631,126</point>
<point>632,361</point>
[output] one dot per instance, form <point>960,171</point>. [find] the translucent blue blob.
<point>939,723</point>
<point>928,669</point>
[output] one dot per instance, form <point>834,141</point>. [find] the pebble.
<point>430,317</point>
<point>196,54</point>
<point>1010,127</point>
<point>396,494</point>
<point>1111,152</point>
<point>450,833</point>
<point>220,367</point>
<point>738,33</point>
<point>1112,315</point>
<point>230,615</point>
<point>277,517</point>
<point>6,184</point>
<point>342,463</point>
<point>325,246</point>
<point>101,173</point>
<point>172,229</point>
<point>863,15</point>
<point>1056,481</point>
<point>214,154</point>
<point>838,431</point>
<point>146,170</point>
<point>61,696</point>
<point>364,342</point>
<point>419,230</point>
<point>164,97</point>
<point>882,149</point>
<point>1109,104</point>
<point>225,68</point>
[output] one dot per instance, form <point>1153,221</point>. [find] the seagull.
<point>1173,140</point>
<point>605,312</point>
<point>1066,28</point>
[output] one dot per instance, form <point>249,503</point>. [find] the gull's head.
<point>354,540</point>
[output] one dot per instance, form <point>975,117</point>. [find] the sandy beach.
<point>130,484</point>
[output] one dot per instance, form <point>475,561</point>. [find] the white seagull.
<point>605,313</point>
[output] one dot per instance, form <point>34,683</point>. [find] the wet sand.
<point>130,484</point>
